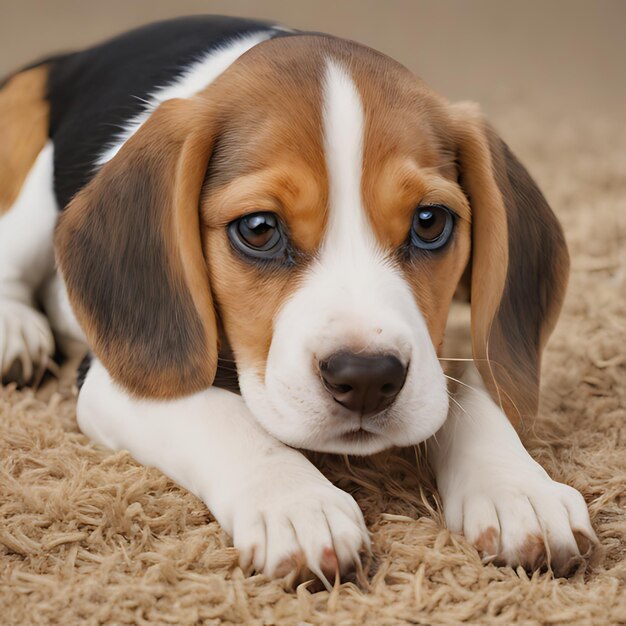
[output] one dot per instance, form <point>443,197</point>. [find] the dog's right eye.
<point>432,226</point>
<point>258,235</point>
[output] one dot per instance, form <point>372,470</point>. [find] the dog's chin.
<point>365,442</point>
<point>361,442</point>
<point>358,443</point>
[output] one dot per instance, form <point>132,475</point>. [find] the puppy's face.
<point>335,235</point>
<point>320,203</point>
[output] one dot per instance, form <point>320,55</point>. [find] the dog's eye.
<point>258,235</point>
<point>432,226</point>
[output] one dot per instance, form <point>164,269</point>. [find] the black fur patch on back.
<point>94,93</point>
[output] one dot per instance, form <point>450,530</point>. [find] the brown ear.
<point>129,249</point>
<point>519,265</point>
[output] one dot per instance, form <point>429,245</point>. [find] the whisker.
<point>229,366</point>
<point>456,380</point>
<point>417,453</point>
<point>471,359</point>
<point>471,417</point>
<point>519,413</point>
<point>493,377</point>
<point>434,437</point>
<point>500,391</point>
<point>455,423</point>
<point>143,100</point>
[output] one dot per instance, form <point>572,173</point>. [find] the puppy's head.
<point>316,207</point>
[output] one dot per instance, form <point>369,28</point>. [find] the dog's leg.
<point>497,495</point>
<point>280,510</point>
<point>26,259</point>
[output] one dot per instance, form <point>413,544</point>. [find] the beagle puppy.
<point>211,196</point>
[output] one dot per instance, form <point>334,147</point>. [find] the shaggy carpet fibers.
<point>88,536</point>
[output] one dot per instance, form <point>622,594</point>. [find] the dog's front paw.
<point>518,516</point>
<point>301,524</point>
<point>26,342</point>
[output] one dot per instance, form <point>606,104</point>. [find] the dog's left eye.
<point>432,226</point>
<point>258,235</point>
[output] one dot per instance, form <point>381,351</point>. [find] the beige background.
<point>567,53</point>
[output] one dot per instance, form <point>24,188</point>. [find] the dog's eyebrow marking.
<point>343,127</point>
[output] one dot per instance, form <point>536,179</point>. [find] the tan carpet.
<point>86,535</point>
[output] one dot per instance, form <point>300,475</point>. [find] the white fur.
<point>68,334</point>
<point>26,259</point>
<point>352,298</point>
<point>487,479</point>
<point>269,497</point>
<point>196,77</point>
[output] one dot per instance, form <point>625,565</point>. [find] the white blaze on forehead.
<point>353,297</point>
<point>343,146</point>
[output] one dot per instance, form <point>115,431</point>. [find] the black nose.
<point>363,383</point>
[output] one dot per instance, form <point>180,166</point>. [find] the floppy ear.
<point>129,249</point>
<point>519,264</point>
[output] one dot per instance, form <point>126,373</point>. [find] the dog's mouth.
<point>360,435</point>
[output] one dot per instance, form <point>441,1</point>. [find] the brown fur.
<point>533,552</point>
<point>24,113</point>
<point>269,157</point>
<point>406,165</point>
<point>258,170</point>
<point>487,542</point>
<point>519,265</point>
<point>249,295</point>
<point>130,252</point>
